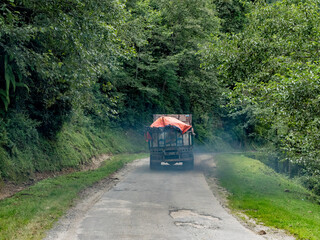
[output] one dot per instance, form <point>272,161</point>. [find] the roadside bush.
<point>21,131</point>
<point>24,151</point>
<point>3,132</point>
<point>6,166</point>
<point>270,158</point>
<point>312,183</point>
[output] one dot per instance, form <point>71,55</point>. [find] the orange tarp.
<point>171,122</point>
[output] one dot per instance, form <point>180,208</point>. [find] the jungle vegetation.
<point>93,70</point>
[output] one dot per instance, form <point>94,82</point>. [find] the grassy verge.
<point>269,197</point>
<point>26,152</point>
<point>29,213</point>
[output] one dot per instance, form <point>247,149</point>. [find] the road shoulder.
<point>66,226</point>
<point>207,163</point>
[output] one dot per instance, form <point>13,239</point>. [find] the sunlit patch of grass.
<point>29,213</point>
<point>269,197</point>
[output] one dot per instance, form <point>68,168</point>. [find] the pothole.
<point>189,218</point>
<point>185,224</point>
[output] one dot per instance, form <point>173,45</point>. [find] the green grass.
<point>29,213</point>
<point>269,197</point>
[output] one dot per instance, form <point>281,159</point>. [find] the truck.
<point>170,140</point>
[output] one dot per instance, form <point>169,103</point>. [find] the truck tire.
<point>189,165</point>
<point>154,165</point>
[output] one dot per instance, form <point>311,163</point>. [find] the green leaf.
<point>5,101</point>
<point>3,93</point>
<point>9,76</point>
<point>20,84</point>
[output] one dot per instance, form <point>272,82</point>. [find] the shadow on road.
<point>203,161</point>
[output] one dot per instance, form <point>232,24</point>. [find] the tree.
<point>59,49</point>
<point>165,75</point>
<point>232,14</point>
<point>271,68</point>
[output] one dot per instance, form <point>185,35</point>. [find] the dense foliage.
<point>165,75</point>
<point>56,50</point>
<point>98,65</point>
<point>271,69</point>
<point>248,71</point>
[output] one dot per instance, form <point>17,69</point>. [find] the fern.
<point>10,81</point>
<point>4,98</point>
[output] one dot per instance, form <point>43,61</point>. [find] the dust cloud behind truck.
<point>170,139</point>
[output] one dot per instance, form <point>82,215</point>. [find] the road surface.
<point>146,204</point>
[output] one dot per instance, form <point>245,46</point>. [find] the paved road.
<point>165,204</point>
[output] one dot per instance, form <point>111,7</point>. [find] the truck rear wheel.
<point>154,165</point>
<point>189,164</point>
